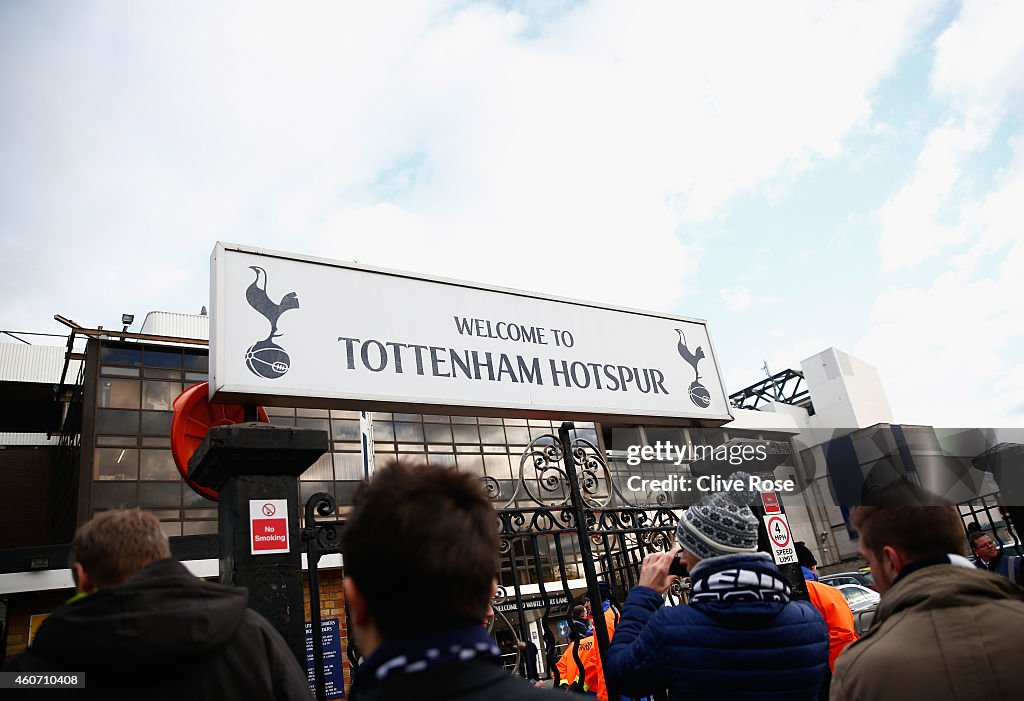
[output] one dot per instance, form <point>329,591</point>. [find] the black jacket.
<point>473,680</point>
<point>164,634</point>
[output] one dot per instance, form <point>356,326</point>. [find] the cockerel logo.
<point>699,394</point>
<point>265,358</point>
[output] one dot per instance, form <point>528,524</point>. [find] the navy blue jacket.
<point>749,647</point>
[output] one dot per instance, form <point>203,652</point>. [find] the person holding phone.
<point>741,635</point>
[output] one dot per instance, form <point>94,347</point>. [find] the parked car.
<point>863,602</point>
<point>859,597</point>
<point>861,578</point>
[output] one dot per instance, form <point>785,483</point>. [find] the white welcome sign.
<point>302,331</point>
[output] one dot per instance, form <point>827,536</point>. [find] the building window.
<point>162,359</point>
<point>156,423</point>
<point>160,395</point>
<point>165,495</point>
<point>197,361</point>
<point>116,464</point>
<point>157,465</point>
<point>119,355</point>
<point>118,394</point>
<point>117,421</point>
<point>345,430</point>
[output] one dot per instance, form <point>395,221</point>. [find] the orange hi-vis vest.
<point>832,605</point>
<point>589,656</point>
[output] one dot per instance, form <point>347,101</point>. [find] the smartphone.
<point>678,566</point>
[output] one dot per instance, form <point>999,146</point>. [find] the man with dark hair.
<point>431,531</point>
<point>143,627</point>
<point>944,629</point>
<point>993,559</point>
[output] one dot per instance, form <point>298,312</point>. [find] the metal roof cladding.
<point>177,325</point>
<point>20,362</point>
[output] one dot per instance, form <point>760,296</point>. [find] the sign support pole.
<point>791,571</point>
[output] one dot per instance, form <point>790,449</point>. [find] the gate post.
<point>256,462</point>
<point>586,552</point>
<point>317,538</point>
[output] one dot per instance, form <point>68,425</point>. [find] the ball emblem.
<point>267,359</point>
<point>699,395</point>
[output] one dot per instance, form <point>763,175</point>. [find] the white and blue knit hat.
<point>720,523</point>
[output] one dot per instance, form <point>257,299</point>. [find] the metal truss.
<point>787,387</point>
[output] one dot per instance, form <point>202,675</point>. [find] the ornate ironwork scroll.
<point>543,479</point>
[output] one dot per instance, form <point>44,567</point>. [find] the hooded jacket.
<point>740,638</point>
<point>944,632</point>
<point>164,634</point>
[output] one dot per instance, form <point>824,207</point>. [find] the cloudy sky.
<point>800,174</point>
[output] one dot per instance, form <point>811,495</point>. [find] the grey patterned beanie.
<point>720,523</point>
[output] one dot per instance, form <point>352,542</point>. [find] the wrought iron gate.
<point>988,514</point>
<point>566,532</point>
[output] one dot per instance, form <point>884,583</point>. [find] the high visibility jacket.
<point>568,670</point>
<point>590,657</point>
<point>832,605</point>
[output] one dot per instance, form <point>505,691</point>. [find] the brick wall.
<point>25,477</point>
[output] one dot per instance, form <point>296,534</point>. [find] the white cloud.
<point>736,298</point>
<point>994,220</point>
<point>980,56</point>
<point>564,153</point>
<point>948,347</point>
<point>949,352</point>
<point>979,70</point>
<point>911,231</point>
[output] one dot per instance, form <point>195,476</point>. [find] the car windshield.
<point>852,595</point>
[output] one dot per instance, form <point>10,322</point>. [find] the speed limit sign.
<point>780,538</point>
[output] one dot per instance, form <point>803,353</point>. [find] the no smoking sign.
<point>268,526</point>
<point>780,538</point>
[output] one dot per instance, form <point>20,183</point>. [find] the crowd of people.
<point>141,626</point>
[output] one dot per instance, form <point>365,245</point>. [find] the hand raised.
<point>654,571</point>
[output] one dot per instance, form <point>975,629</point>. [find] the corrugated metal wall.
<point>23,363</point>
<point>7,439</point>
<point>178,325</point>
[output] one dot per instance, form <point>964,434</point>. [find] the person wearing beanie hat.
<point>721,523</point>
<point>808,563</point>
<point>741,635</point>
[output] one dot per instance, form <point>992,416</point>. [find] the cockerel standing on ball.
<point>257,297</point>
